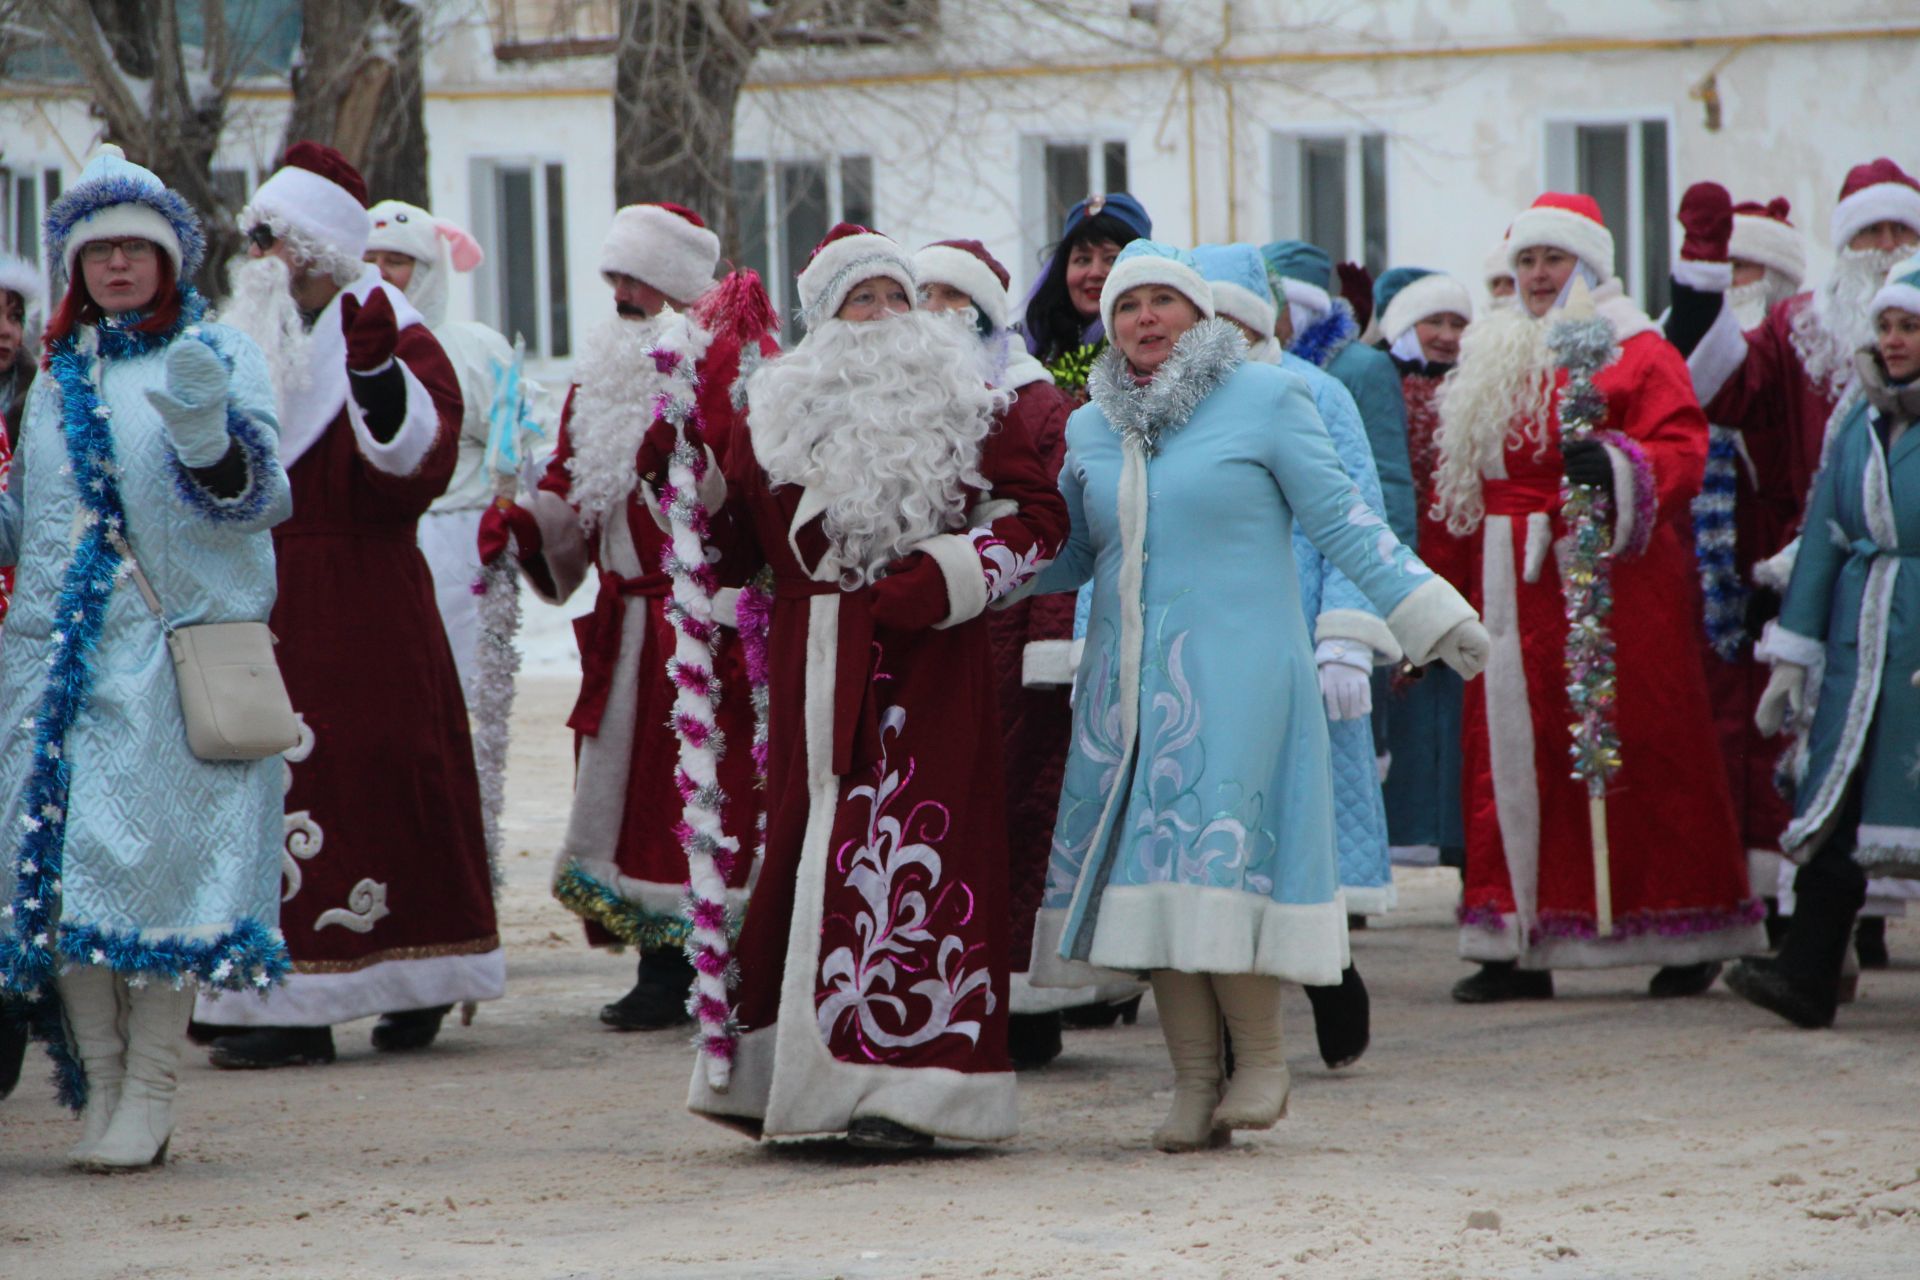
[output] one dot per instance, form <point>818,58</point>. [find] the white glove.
<point>1466,648</point>
<point>1383,763</point>
<point>194,404</point>
<point>1784,700</point>
<point>1914,680</point>
<point>1347,690</point>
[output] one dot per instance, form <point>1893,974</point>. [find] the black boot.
<point>1104,1013</point>
<point>13,1045</point>
<point>1342,1019</point>
<point>1683,980</point>
<point>262,1048</point>
<point>658,999</point>
<point>1033,1039</point>
<point>1802,983</point>
<point>1502,980</point>
<point>1870,942</point>
<point>1760,981</point>
<point>408,1029</point>
<point>205,1033</point>
<point>1776,924</point>
<point>877,1133</point>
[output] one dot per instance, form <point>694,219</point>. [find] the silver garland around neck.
<point>1201,360</point>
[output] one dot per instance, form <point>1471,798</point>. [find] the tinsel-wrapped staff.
<point>1583,343</point>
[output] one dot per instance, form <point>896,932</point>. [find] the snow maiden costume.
<point>388,903</point>
<point>873,991</point>
<point>1678,871</point>
<point>138,870</point>
<point>1848,629</point>
<point>1196,831</point>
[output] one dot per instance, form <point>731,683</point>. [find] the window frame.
<point>1038,233</point>
<point>781,275</point>
<point>1286,204</point>
<point>1560,171</point>
<point>489,278</point>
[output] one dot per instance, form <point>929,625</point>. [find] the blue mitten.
<point>194,404</point>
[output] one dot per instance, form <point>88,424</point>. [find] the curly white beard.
<point>1836,323</point>
<point>262,307</point>
<point>1752,303</point>
<point>885,418</point>
<point>1498,396</point>
<point>612,410</point>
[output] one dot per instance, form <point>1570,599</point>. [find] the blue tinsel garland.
<point>1724,593</point>
<point>1325,337</point>
<point>89,198</point>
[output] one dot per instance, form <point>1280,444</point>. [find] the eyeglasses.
<point>97,251</point>
<point>262,237</point>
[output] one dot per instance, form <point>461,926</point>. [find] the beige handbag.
<point>232,697</point>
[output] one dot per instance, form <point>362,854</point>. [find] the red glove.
<point>1706,212</point>
<point>371,330</point>
<point>913,595</point>
<point>504,520</point>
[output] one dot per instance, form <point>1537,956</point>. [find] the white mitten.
<point>1466,648</point>
<point>194,404</point>
<point>1348,692</point>
<point>1914,680</point>
<point>1784,699</point>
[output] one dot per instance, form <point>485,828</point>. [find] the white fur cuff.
<point>1046,663</point>
<point>1624,517</point>
<point>418,433</point>
<point>1707,277</point>
<point>1423,619</point>
<point>562,545</point>
<point>1353,624</point>
<point>1776,570</point>
<point>966,581</point>
<point>1777,644</point>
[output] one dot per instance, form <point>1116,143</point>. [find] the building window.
<point>1623,165</point>
<point>24,197</point>
<point>521,289</point>
<point>783,208</point>
<point>1058,174</point>
<point>1330,189</point>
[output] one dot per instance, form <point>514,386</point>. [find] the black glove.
<point>1586,462</point>
<point>1763,606</point>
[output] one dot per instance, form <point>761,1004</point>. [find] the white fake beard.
<point>1752,303</point>
<point>1837,323</point>
<point>262,307</point>
<point>611,413</point>
<point>1498,396</point>
<point>884,418</point>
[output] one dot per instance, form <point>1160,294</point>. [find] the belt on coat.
<point>598,634</point>
<point>856,716</point>
<point>1535,499</point>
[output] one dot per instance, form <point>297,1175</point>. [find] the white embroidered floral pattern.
<point>301,837</point>
<point>1006,569</point>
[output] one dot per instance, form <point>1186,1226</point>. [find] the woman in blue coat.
<point>134,869</point>
<point>1196,829</point>
<point>1846,667</point>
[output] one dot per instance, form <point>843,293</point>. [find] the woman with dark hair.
<point>1063,326</point>
<point>20,291</point>
<point>148,468</point>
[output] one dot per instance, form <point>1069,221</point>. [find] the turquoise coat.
<point>1196,827</point>
<point>1853,605</point>
<point>170,865</point>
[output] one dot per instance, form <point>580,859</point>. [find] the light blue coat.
<point>171,864</point>
<point>1196,826</point>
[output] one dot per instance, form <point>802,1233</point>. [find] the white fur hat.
<point>666,246</point>
<point>437,247</point>
<point>1902,289</point>
<point>847,256</point>
<point>967,266</point>
<point>1496,267</point>
<point>1241,291</point>
<point>1563,221</point>
<point>17,275</point>
<point>1762,234</point>
<point>1147,261</point>
<point>317,201</point>
<point>1432,294</point>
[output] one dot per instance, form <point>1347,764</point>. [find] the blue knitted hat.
<point>1153,262</point>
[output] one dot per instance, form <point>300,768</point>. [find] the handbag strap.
<point>140,582</point>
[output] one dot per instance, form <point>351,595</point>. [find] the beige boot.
<point>143,1122</point>
<point>95,1005</point>
<point>1257,1095</point>
<point>1190,1022</point>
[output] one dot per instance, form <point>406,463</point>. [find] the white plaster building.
<point>1389,131</point>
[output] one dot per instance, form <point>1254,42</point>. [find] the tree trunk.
<point>677,78</point>
<point>358,89</point>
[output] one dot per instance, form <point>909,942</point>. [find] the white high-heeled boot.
<point>142,1124</point>
<point>1190,1023</point>
<point>94,1003</point>
<point>1256,1097</point>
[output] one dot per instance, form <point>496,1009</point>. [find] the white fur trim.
<point>317,406</point>
<point>1580,236</point>
<point>402,455</point>
<point>1647,949</point>
<point>1237,302</point>
<point>837,268</point>
<point>1426,615</point>
<point>1890,852</point>
<point>1721,353</point>
<point>1205,929</point>
<point>1370,900</point>
<point>322,209</point>
<point>1152,268</point>
<point>17,275</point>
<point>660,248</point>
<point>1516,783</point>
<point>562,544</point>
<point>1356,624</point>
<point>1776,570</point>
<point>1707,277</point>
<point>124,221</point>
<point>1539,542</point>
<point>1899,295</point>
<point>1426,297</point>
<point>385,986</point>
<point>1024,997</point>
<point>1777,644</point>
<point>1771,243</point>
<point>1624,504</point>
<point>958,269</point>
<point>1045,663</point>
<point>1310,296</point>
<point>1046,967</point>
<point>1023,370</point>
<point>966,580</point>
<point>1882,202</point>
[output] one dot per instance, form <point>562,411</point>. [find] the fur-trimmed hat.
<point>1496,266</point>
<point>1901,290</point>
<point>848,255</point>
<point>117,199</point>
<point>1877,192</point>
<point>1153,262</point>
<point>665,246</point>
<point>1301,273</point>
<point>967,266</point>
<point>1407,295</point>
<point>1238,276</point>
<point>1762,234</point>
<point>1118,205</point>
<point>17,275</point>
<point>317,202</point>
<point>1568,221</point>
<point>438,249</point>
